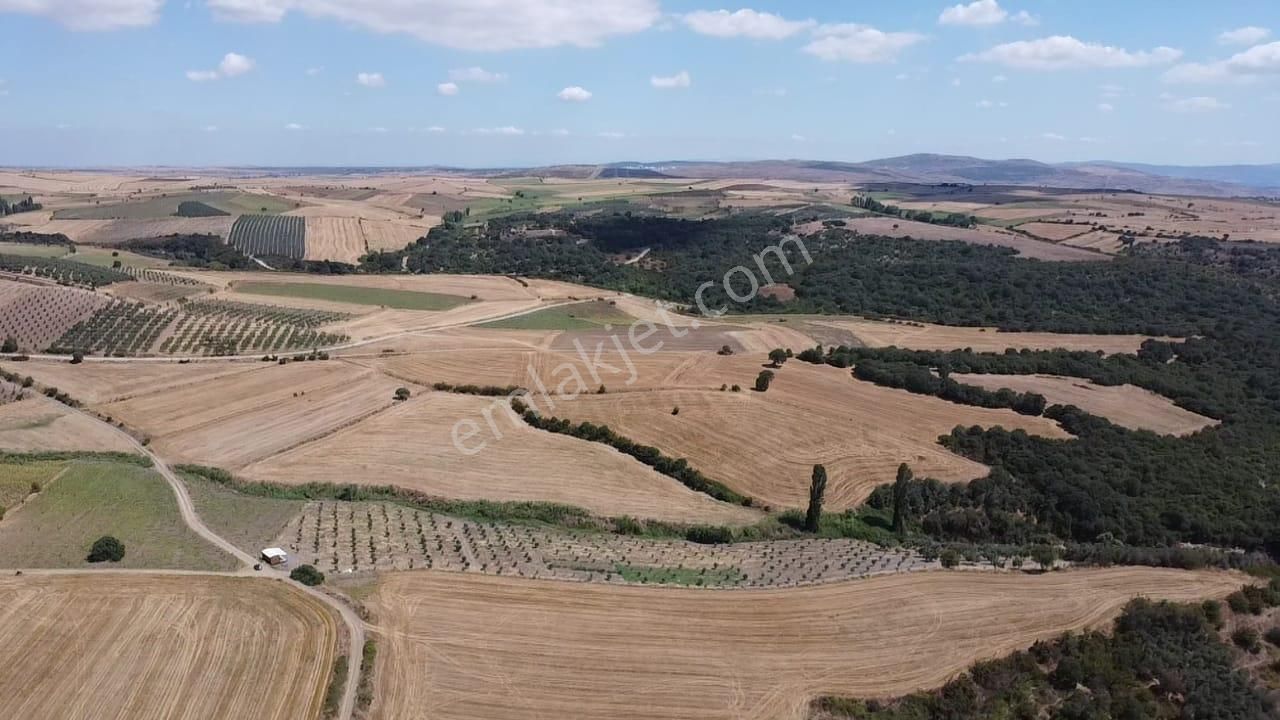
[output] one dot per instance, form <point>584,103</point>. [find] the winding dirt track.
<point>468,647</point>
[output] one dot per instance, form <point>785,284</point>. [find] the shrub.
<point>402,394</point>
<point>763,380</point>
<point>1212,610</point>
<point>709,535</point>
<point>949,558</point>
<point>1246,638</point>
<point>77,357</point>
<point>106,549</point>
<point>307,575</point>
<point>10,345</point>
<point>1273,636</point>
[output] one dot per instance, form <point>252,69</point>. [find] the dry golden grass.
<point>386,235</point>
<point>923,336</point>
<point>38,424</point>
<point>335,238</point>
<point>1055,232</point>
<point>129,646</point>
<point>412,446</point>
<point>1099,240</point>
<point>232,421</point>
<point>97,383</point>
<point>982,235</point>
<point>765,445</point>
<point>1124,405</point>
<point>463,647</point>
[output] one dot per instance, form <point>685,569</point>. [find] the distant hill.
<point>934,169</point>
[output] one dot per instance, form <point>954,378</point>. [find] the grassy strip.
<point>565,517</point>
<point>7,458</point>
<point>337,683</point>
<point>364,694</point>
<point>651,456</point>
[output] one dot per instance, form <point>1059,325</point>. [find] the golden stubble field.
<point>1125,405</point>
<point>125,646</point>
<point>469,647</point>
<point>766,444</point>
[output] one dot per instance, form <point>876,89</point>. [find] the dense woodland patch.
<point>1111,485</point>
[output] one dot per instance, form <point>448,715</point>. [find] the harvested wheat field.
<point>923,336</point>
<point>335,238</point>
<point>232,421</point>
<point>191,647</point>
<point>104,382</point>
<point>38,424</point>
<point>412,446</point>
<point>765,445</point>
<point>1124,405</point>
<point>463,647</point>
<point>982,235</point>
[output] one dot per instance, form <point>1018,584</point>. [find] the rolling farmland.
<point>87,647</point>
<point>270,235</point>
<point>588,651</point>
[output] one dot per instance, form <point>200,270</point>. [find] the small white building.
<point>275,556</point>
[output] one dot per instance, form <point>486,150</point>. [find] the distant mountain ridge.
<point>1218,181</point>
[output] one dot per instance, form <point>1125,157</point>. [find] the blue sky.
<point>484,83</point>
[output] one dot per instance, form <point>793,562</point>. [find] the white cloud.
<point>1053,136</point>
<point>955,82</point>
<point>232,64</point>
<point>798,138</point>
<point>90,14</point>
<point>560,132</point>
<point>574,94</point>
<point>988,104</point>
<point>294,126</point>
<point>508,130</point>
<point>611,135</point>
<point>771,92</point>
<point>981,12</point>
<point>492,25</point>
<point>447,89</point>
<point>314,71</point>
<point>476,75</point>
<point>1106,107</point>
<point>859,43</point>
<point>745,23</point>
<point>1062,52</point>
<point>371,80</point>
<point>999,79</point>
<point>1111,91</point>
<point>1025,18</point>
<point>1090,140</point>
<point>210,128</point>
<point>679,80</point>
<point>1250,35</point>
<point>1243,67</point>
<point>435,129</point>
<point>378,130</point>
<point>1197,104</point>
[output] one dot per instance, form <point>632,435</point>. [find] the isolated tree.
<point>402,394</point>
<point>307,575</point>
<point>106,549</point>
<point>778,357</point>
<point>900,487</point>
<point>77,357</point>
<point>10,345</point>
<point>817,489</point>
<point>763,380</point>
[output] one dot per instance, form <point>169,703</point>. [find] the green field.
<point>250,523</point>
<point>103,257</point>
<point>56,528</point>
<point>398,299</point>
<point>592,315</point>
<point>232,202</point>
<point>29,250</point>
<point>16,480</point>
